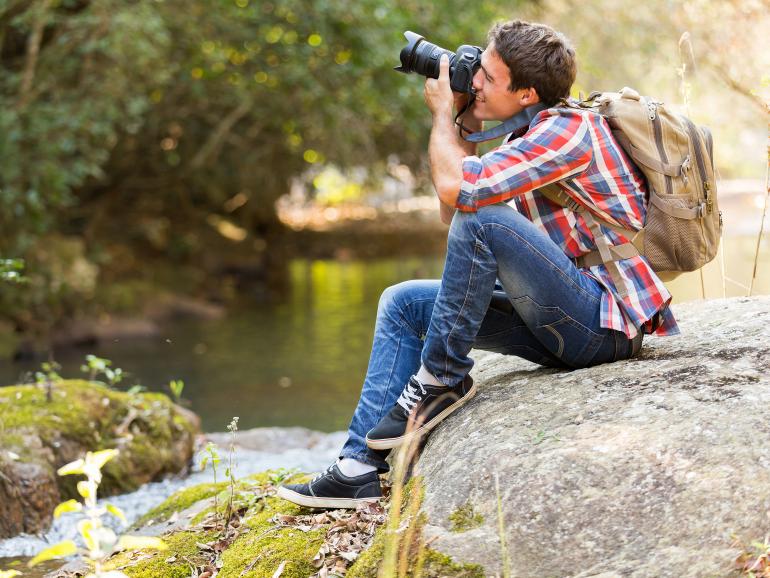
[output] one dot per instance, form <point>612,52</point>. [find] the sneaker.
<point>428,404</point>
<point>333,489</point>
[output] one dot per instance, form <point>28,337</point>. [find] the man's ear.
<point>528,96</point>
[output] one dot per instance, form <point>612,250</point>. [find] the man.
<point>511,282</point>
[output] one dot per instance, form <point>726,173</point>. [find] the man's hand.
<point>438,94</point>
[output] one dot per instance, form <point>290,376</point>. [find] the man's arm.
<point>446,149</point>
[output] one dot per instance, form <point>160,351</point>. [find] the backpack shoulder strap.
<point>605,253</point>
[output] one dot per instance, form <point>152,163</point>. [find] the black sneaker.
<point>333,489</point>
<point>427,404</point>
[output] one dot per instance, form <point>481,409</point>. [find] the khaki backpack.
<point>683,224</point>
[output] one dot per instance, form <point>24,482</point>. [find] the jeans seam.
<point>465,300</point>
<point>404,317</point>
<point>544,257</point>
<point>381,411</point>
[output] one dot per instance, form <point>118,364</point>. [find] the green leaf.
<point>75,467</point>
<point>60,550</point>
<point>98,459</point>
<point>117,512</point>
<point>86,527</point>
<point>85,489</point>
<point>67,507</point>
<point>141,543</point>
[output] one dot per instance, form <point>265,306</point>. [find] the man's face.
<point>493,99</point>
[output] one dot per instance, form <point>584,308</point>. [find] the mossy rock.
<point>37,436</point>
<point>261,545</point>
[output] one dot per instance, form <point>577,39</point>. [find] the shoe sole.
<point>314,502</point>
<point>390,443</point>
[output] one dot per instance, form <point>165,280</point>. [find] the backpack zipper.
<point>695,137</point>
<point>657,130</point>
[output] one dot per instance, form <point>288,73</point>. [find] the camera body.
<point>423,57</point>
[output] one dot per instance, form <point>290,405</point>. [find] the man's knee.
<point>489,214</point>
<point>394,297</point>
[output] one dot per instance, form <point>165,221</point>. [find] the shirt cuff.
<point>467,200</point>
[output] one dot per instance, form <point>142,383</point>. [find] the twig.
<point>33,51</point>
<point>219,134</point>
<point>764,209</point>
<point>127,421</point>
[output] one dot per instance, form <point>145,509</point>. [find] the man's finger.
<point>443,67</point>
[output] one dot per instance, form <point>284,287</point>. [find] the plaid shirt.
<point>576,149</point>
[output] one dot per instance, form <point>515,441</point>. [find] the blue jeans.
<point>506,287</point>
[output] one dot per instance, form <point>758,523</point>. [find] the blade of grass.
<point>501,530</point>
<point>764,209</point>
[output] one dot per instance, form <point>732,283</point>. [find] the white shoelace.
<point>323,473</point>
<point>410,396</point>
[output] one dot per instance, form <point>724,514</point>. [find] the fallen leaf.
<point>279,571</point>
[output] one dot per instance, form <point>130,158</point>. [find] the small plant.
<point>136,389</point>
<point>47,377</point>
<point>277,477</point>
<point>11,271</point>
<point>230,471</point>
<point>9,573</point>
<point>211,454</point>
<point>100,541</point>
<point>176,387</point>
<point>754,561</point>
<point>464,518</point>
<point>95,366</point>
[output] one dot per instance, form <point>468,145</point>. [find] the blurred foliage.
<point>127,124</point>
<point>723,62</point>
<point>148,109</point>
<point>133,130</point>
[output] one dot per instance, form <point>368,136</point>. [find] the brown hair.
<point>537,56</point>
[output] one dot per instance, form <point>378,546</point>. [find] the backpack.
<point>683,224</point>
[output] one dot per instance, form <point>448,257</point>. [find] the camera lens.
<point>421,56</point>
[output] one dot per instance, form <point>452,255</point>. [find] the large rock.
<point>38,435</point>
<point>642,468</point>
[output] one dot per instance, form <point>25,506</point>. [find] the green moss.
<point>260,541</point>
<point>182,548</point>
<point>465,518</point>
<point>269,546</point>
<point>438,565</point>
<point>263,546</point>
<point>180,501</point>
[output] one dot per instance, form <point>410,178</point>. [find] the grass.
<point>764,209</point>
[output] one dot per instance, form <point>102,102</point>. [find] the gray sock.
<point>425,377</point>
<point>352,468</point>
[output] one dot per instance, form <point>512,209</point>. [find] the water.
<point>297,362</point>
<point>301,361</point>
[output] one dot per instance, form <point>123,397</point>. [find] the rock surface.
<point>643,468</point>
<point>37,436</point>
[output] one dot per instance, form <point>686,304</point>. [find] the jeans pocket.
<point>568,339</point>
<point>576,345</point>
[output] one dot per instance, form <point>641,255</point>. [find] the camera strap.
<point>513,124</point>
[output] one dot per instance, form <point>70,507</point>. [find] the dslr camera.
<point>423,57</point>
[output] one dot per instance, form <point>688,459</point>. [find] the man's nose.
<point>477,80</point>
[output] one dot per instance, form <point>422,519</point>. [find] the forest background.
<point>149,145</point>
